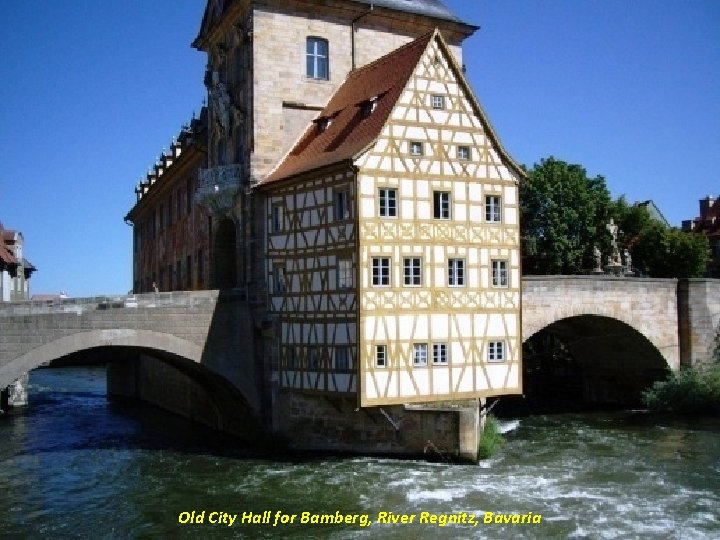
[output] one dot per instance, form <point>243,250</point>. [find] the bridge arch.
<point>91,339</point>
<point>591,358</point>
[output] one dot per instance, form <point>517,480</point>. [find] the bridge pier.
<point>16,394</point>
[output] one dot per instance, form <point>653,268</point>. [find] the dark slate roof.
<point>430,8</point>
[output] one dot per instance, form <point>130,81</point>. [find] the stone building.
<point>15,269</point>
<point>708,223</point>
<point>170,231</point>
<point>356,192</point>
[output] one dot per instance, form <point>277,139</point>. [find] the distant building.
<point>654,212</point>
<point>171,231</point>
<point>15,269</point>
<point>708,223</point>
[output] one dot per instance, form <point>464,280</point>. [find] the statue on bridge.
<point>614,264</point>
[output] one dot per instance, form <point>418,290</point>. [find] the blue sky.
<point>94,90</point>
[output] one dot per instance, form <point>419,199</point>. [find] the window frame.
<point>440,354</point>
<point>345,274</point>
<point>438,102</point>
<point>420,355</point>
<point>336,360</point>
<point>416,148</point>
<point>385,208</point>
<point>439,212</point>
<point>499,269</point>
<point>412,271</point>
<point>493,209</point>
<point>276,217</point>
<point>381,272</point>
<point>280,285</point>
<point>381,354</point>
<point>496,351</point>
<point>342,210</point>
<point>463,149</point>
<point>456,272</point>
<point>320,59</point>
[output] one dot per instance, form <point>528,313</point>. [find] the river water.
<point>73,465</point>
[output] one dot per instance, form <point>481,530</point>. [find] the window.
<point>367,107</point>
<point>291,357</point>
<point>412,272</point>
<point>438,102</point>
<point>440,353</point>
<point>342,358</point>
<point>420,351</point>
<point>416,148</point>
<point>499,274</point>
<point>381,272</point>
<point>496,351</point>
<point>277,218</point>
<point>441,204</point>
<point>313,358</point>
<point>456,272</point>
<point>279,283</point>
<point>323,124</point>
<point>380,356</point>
<point>388,202</point>
<point>493,209</point>
<point>317,66</point>
<point>345,274</point>
<point>463,152</point>
<point>342,205</point>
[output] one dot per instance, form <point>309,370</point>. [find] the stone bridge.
<point>207,338</point>
<point>191,352</point>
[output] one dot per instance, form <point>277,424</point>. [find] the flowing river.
<point>73,465</point>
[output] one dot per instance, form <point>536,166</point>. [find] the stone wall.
<point>315,423</point>
<point>700,321</point>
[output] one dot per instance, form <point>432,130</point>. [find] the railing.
<point>217,188</point>
<point>132,301</point>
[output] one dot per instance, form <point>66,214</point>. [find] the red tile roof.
<point>349,133</point>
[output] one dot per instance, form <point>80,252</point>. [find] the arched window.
<point>317,58</point>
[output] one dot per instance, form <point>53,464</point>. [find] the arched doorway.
<point>225,255</point>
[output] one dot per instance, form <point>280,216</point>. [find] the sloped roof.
<point>349,132</point>
<point>6,256</point>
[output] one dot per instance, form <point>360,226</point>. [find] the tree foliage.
<point>564,216</point>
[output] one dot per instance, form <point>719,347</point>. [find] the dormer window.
<point>323,124</point>
<point>367,107</point>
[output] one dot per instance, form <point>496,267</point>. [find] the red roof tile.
<point>349,132</point>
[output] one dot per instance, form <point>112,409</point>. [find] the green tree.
<point>563,217</point>
<point>670,253</point>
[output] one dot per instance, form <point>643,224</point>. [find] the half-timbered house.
<point>392,242</point>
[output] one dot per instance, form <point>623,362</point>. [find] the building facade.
<point>355,190</point>
<point>15,269</point>
<point>171,231</point>
<point>708,223</point>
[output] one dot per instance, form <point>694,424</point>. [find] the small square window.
<point>463,152</point>
<point>440,353</point>
<point>381,272</point>
<point>380,356</point>
<point>496,351</point>
<point>420,353</point>
<point>416,148</point>
<point>438,102</point>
